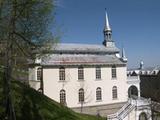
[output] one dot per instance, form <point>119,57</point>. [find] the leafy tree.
<point>25,24</point>
<point>24,31</point>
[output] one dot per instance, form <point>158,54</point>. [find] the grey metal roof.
<point>81,59</point>
<point>83,48</point>
<point>145,69</point>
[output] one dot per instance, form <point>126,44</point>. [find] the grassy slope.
<point>31,105</point>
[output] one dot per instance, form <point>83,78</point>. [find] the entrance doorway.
<point>132,91</point>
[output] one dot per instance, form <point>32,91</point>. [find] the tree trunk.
<point>10,113</point>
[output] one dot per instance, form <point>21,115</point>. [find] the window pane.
<point>114,74</point>
<point>80,73</point>
<point>98,73</point>
<point>61,74</point>
<point>62,97</point>
<point>39,74</point>
<point>98,94</point>
<point>114,92</point>
<point>81,95</point>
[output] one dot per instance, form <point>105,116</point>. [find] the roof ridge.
<point>79,44</point>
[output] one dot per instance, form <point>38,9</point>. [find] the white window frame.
<point>63,96</point>
<point>98,73</point>
<point>114,92</point>
<point>61,73</point>
<point>81,95</point>
<point>114,72</point>
<point>98,94</point>
<point>80,73</point>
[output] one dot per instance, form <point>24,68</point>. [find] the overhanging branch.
<point>23,38</point>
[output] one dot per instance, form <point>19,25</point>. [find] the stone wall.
<point>102,110</point>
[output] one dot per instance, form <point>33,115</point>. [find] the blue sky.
<point>135,25</point>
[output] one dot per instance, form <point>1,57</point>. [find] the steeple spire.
<point>108,42</point>
<point>107,26</point>
<point>124,58</point>
<point>141,65</point>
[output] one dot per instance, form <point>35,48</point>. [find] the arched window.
<point>98,94</point>
<point>98,72</point>
<point>62,73</point>
<point>143,116</point>
<point>63,97</point>
<point>80,73</point>
<point>114,72</point>
<point>39,73</point>
<point>109,36</point>
<point>81,95</point>
<point>114,92</point>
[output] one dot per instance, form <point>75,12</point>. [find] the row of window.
<point>81,95</point>
<point>81,73</point>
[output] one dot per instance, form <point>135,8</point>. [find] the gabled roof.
<point>83,48</point>
<point>81,59</point>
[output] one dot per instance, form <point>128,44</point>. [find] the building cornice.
<point>84,65</point>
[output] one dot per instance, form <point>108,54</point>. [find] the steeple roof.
<point>108,42</point>
<point>107,26</point>
<point>123,53</point>
<point>124,58</point>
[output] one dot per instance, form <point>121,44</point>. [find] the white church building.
<point>91,79</point>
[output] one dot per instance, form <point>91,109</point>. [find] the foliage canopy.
<point>25,24</point>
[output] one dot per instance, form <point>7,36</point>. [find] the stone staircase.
<point>122,113</point>
<point>134,103</point>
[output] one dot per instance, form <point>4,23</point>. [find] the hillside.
<point>31,105</point>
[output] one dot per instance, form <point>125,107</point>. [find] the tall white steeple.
<point>107,26</point>
<point>108,42</point>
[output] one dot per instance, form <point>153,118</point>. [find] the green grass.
<point>31,105</point>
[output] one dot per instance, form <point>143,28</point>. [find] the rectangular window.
<point>39,73</point>
<point>98,73</point>
<point>62,73</point>
<point>80,73</point>
<point>114,72</point>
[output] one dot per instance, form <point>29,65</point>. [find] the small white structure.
<point>87,78</point>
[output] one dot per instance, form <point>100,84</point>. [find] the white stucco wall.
<point>32,73</point>
<point>134,81</point>
<point>131,116</point>
<point>33,82</point>
<point>71,85</point>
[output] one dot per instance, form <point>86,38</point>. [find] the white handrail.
<point>122,112</point>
